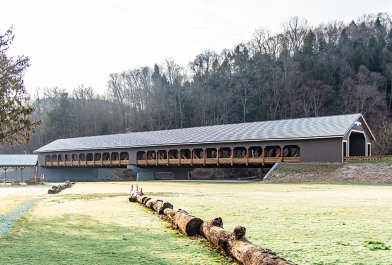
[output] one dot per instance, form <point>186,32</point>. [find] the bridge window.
<point>97,157</point>
<point>141,155</point>
<point>185,154</point>
<point>75,157</point>
<point>124,156</point>
<point>47,158</point>
<point>212,153</point>
<point>162,154</point>
<point>106,156</point>
<point>198,153</point>
<point>89,157</point>
<point>114,156</point>
<point>67,157</point>
<point>225,152</point>
<point>151,155</point>
<point>255,151</point>
<point>173,154</point>
<point>291,151</point>
<point>60,158</point>
<point>272,151</point>
<point>240,152</point>
<point>82,157</point>
<point>54,158</point>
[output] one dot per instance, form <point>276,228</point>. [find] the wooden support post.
<point>93,159</point>
<point>247,156</point>
<point>218,156</point>
<point>179,157</point>
<point>281,154</point>
<point>232,155</point>
<point>192,157</point>
<point>262,156</point>
<point>204,156</point>
<point>157,157</point>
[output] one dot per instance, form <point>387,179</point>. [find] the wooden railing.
<point>84,163</point>
<point>367,159</point>
<point>217,161</point>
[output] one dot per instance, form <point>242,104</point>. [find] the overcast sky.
<point>82,42</point>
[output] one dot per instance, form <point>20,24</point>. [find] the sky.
<point>70,43</point>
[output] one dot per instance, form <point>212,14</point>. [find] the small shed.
<point>20,161</point>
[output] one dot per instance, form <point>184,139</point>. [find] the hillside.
<point>369,173</point>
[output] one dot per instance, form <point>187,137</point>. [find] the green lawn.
<point>93,223</point>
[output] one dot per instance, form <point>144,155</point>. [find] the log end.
<point>239,232</point>
<point>193,227</point>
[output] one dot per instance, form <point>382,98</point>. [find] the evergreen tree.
<point>16,123</point>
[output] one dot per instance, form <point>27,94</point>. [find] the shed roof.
<point>18,160</point>
<point>303,128</point>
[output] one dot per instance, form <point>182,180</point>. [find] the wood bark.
<point>188,224</point>
<point>206,226</point>
<point>244,251</point>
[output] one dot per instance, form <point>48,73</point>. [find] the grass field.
<point>94,223</point>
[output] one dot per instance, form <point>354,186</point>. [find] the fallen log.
<point>140,198</point>
<point>206,226</point>
<point>157,205</point>
<point>244,251</point>
<point>160,206</point>
<point>145,200</point>
<point>188,224</point>
<point>150,204</point>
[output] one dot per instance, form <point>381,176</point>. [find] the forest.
<point>303,71</point>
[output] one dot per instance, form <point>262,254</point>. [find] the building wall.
<point>322,150</point>
<point>74,174</point>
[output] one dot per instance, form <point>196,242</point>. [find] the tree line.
<point>303,71</point>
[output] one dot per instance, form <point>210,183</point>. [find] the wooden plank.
<point>247,156</point>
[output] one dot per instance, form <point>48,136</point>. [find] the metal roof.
<point>18,160</point>
<point>303,128</point>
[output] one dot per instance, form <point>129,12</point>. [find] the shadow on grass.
<point>77,239</point>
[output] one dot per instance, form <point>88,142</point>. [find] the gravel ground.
<point>7,220</point>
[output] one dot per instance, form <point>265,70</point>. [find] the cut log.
<point>188,224</point>
<point>145,200</point>
<point>244,251</point>
<point>157,205</point>
<point>218,237</point>
<point>161,206</point>
<point>150,204</point>
<point>205,226</point>
<point>140,198</point>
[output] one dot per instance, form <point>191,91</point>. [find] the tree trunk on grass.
<point>188,224</point>
<point>206,226</point>
<point>160,206</point>
<point>244,251</point>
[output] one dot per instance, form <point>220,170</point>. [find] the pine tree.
<point>15,112</point>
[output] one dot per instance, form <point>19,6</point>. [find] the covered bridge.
<point>255,144</point>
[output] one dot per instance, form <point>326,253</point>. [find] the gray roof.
<point>304,128</point>
<point>18,160</point>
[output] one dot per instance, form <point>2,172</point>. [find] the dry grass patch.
<point>305,223</point>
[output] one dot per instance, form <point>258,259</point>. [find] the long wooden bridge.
<point>209,157</point>
<point>256,144</point>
